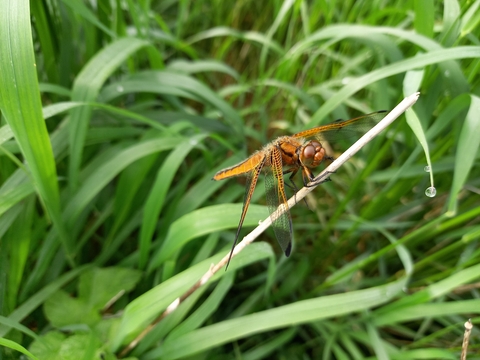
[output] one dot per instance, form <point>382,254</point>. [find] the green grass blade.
<point>14,190</point>
<point>13,345</point>
<point>79,7</point>
<point>22,109</point>
<point>171,83</point>
<point>376,342</point>
<point>86,88</point>
<point>201,222</point>
<point>421,311</point>
<point>468,145</point>
<point>202,66</point>
<point>40,297</point>
<point>251,36</point>
<point>282,13</point>
<point>414,122</point>
<point>283,316</point>
<point>424,17</point>
<point>432,57</point>
<point>204,311</point>
<point>156,198</point>
<point>44,31</point>
<point>109,169</point>
<point>147,307</point>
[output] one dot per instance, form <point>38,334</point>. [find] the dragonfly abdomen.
<point>241,168</point>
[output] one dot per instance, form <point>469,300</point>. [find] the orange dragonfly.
<point>287,155</point>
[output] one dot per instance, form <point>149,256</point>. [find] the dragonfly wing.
<point>343,129</point>
<point>277,202</point>
<point>252,178</point>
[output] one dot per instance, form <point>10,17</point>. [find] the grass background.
<point>116,116</point>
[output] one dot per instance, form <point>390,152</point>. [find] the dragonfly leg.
<point>292,173</point>
<point>307,176</point>
<point>292,184</point>
<point>325,178</point>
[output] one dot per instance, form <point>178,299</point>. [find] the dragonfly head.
<point>312,154</point>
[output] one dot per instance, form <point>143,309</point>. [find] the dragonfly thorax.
<point>289,149</point>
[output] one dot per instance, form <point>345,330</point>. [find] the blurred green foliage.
<point>115,116</point>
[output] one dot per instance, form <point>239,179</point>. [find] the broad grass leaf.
<point>21,107</point>
<point>424,19</point>
<point>201,222</point>
<point>160,188</point>
<point>284,316</point>
<point>467,149</point>
<point>421,311</point>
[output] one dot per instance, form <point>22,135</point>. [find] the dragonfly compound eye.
<point>312,154</point>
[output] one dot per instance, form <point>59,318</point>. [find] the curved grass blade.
<point>109,169</point>
<point>148,306</point>
<point>86,88</point>
<point>297,313</point>
<point>468,145</point>
<point>432,57</point>
<point>21,106</point>
<point>156,197</point>
<point>201,222</point>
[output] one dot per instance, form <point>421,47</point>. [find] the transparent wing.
<point>252,179</point>
<point>277,202</point>
<point>343,129</point>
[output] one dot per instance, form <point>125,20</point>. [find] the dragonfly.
<point>288,155</point>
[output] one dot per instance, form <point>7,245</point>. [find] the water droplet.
<point>193,142</point>
<point>427,168</point>
<point>120,88</point>
<point>346,80</point>
<point>447,73</point>
<point>431,191</point>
